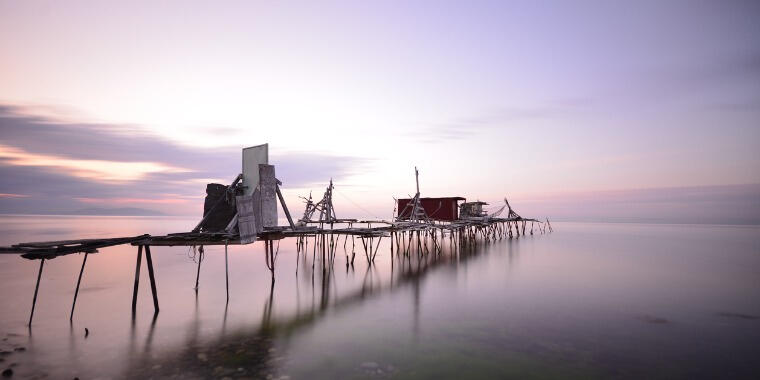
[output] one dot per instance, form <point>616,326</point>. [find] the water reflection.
<point>254,353</point>
<point>626,301</point>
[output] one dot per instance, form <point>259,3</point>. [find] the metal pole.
<point>76,292</point>
<point>36,289</point>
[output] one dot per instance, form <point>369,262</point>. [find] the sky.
<point>576,110</point>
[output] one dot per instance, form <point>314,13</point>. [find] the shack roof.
<point>440,198</point>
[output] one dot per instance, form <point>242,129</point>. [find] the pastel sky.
<point>586,110</point>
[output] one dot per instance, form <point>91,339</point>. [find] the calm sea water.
<point>587,301</point>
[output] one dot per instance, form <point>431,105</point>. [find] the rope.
<point>357,205</point>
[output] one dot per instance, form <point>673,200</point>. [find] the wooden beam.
<point>285,208</point>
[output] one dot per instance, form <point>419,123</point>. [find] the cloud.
<point>496,118</point>
<point>96,170</point>
<point>5,195</point>
<point>90,141</point>
<point>736,69</point>
<point>725,83</point>
<point>297,170</point>
<point>59,166</point>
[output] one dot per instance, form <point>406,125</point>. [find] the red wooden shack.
<point>445,209</point>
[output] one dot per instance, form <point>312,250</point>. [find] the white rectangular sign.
<point>252,158</point>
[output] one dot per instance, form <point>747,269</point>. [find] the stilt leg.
<point>149,260</point>
<point>76,292</point>
<point>198,275</point>
<point>137,278</point>
<point>36,289</point>
<point>227,273</point>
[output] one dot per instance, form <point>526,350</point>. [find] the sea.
<point>588,300</point>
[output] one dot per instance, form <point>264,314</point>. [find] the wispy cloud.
<point>60,165</point>
<point>171,200</point>
<point>725,83</point>
<point>6,195</point>
<point>96,170</point>
<point>503,117</point>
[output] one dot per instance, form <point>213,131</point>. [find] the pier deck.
<point>402,235</point>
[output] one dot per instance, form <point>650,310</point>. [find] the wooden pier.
<point>242,213</point>
<point>405,237</point>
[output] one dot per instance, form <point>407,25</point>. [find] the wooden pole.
<point>76,292</point>
<point>227,272</point>
<point>149,260</point>
<point>198,275</point>
<point>137,278</point>
<point>36,290</point>
<point>285,208</point>
<point>271,258</point>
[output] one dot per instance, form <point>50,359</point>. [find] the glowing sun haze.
<point>559,105</point>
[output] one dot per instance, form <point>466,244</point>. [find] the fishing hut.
<point>440,209</point>
<point>246,211</point>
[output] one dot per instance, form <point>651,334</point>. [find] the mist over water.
<point>589,300</point>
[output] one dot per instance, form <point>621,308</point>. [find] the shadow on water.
<point>252,353</point>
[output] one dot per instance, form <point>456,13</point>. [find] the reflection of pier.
<point>246,211</point>
<point>254,350</point>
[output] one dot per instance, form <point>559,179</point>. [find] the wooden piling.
<point>227,272</point>
<point>137,278</point>
<point>76,292</point>
<point>198,274</point>
<point>36,290</point>
<point>149,261</point>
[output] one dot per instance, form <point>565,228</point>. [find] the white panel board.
<point>252,158</point>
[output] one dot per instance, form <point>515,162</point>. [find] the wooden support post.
<point>227,273</point>
<point>271,257</point>
<point>266,254</point>
<point>314,254</point>
<point>376,248</point>
<point>353,249</point>
<point>76,292</point>
<point>137,278</point>
<point>149,260</point>
<point>198,275</point>
<point>364,245</point>
<point>36,290</point>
